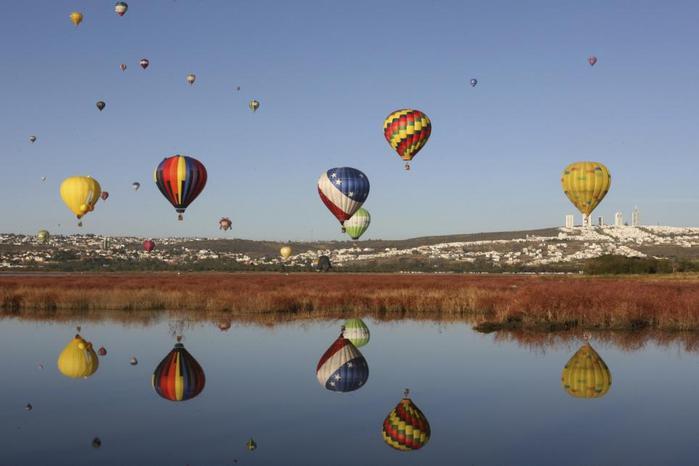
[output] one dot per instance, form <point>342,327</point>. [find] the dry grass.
<point>492,302</point>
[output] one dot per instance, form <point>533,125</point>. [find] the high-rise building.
<point>635,217</point>
<point>600,221</point>
<point>618,219</point>
<point>570,221</point>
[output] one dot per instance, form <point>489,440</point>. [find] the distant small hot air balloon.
<point>191,77</point>
<point>358,223</point>
<point>254,105</point>
<point>42,236</point>
<point>76,18</point>
<point>135,185</point>
<point>343,190</point>
<point>323,264</point>
<point>407,131</point>
<point>357,332</point>
<point>180,179</point>
<point>80,194</point>
<point>144,63</point>
<point>32,139</point>
<point>179,376</point>
<point>100,105</point>
<point>406,428</point>
<point>102,351</point>
<point>342,368</point>
<point>78,359</point>
<point>120,8</point>
<point>96,442</point>
<point>586,375</point>
<point>104,195</point>
<point>148,245</point>
<point>285,252</point>
<point>474,82</point>
<point>225,224</point>
<point>122,67</point>
<point>237,88</point>
<point>251,445</point>
<point>592,60</point>
<point>43,178</point>
<point>133,361</point>
<point>586,184</point>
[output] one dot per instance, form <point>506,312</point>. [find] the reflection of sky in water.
<point>487,402</point>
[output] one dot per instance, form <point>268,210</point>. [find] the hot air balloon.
<point>342,368</point>
<point>104,195</point>
<point>43,178</point>
<point>407,131</point>
<point>120,8</point>
<point>474,82</point>
<point>148,245</point>
<point>406,428</point>
<point>80,194</point>
<point>100,105</point>
<point>179,376</point>
<point>42,236</point>
<point>224,325</point>
<point>237,88</point>
<point>144,63</point>
<point>358,223</point>
<point>122,67</point>
<point>32,139</point>
<point>102,351</point>
<point>78,359</point>
<point>357,332</point>
<point>586,375</point>
<point>135,185</point>
<point>76,18</point>
<point>181,179</point>
<point>285,252</point>
<point>586,184</point>
<point>225,224</point>
<point>254,105</point>
<point>343,190</point>
<point>323,264</point>
<point>191,78</point>
<point>592,60</point>
<point>251,444</point>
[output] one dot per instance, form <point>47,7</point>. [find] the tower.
<point>635,217</point>
<point>570,221</point>
<point>618,219</point>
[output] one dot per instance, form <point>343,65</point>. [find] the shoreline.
<point>489,302</point>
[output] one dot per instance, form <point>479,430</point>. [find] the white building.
<point>635,217</point>
<point>618,219</point>
<point>570,221</point>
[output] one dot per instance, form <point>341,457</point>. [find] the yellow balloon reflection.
<point>78,359</point>
<point>586,375</point>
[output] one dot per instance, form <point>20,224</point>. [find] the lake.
<point>489,400</point>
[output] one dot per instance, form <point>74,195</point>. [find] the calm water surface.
<point>488,402</point>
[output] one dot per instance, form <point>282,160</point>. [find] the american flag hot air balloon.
<point>342,368</point>
<point>343,190</point>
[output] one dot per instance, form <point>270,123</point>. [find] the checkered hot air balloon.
<point>342,368</point>
<point>406,428</point>
<point>180,179</point>
<point>179,376</point>
<point>407,131</point>
<point>343,190</point>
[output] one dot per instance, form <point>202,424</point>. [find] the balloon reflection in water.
<point>586,375</point>
<point>342,368</point>
<point>406,428</point>
<point>179,376</point>
<point>78,359</point>
<point>357,332</point>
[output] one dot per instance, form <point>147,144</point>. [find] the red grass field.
<point>490,301</point>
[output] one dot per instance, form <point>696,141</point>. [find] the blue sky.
<point>327,74</point>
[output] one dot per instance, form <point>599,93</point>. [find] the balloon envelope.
<point>357,332</point>
<point>32,139</point>
<point>407,131</point>
<point>42,236</point>
<point>144,63</point>
<point>123,67</point>
<point>104,195</point>
<point>358,223</point>
<point>180,179</point>
<point>78,359</point>
<point>586,184</point>
<point>324,264</point>
<point>285,251</point>
<point>80,194</point>
<point>225,224</point>
<point>592,60</point>
<point>406,427</point>
<point>342,368</point>
<point>474,82</point>
<point>135,185</point>
<point>179,376</point>
<point>76,18</point>
<point>254,105</point>
<point>586,375</point>
<point>343,190</point>
<point>100,105</point>
<point>191,78</point>
<point>148,245</point>
<point>120,8</point>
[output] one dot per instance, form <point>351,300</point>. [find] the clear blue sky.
<point>327,73</point>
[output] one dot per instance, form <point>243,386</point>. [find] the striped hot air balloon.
<point>181,179</point>
<point>357,332</point>
<point>179,376</point>
<point>586,375</point>
<point>358,223</point>
<point>342,368</point>
<point>586,184</point>
<point>407,131</point>
<point>406,428</point>
<point>343,190</point>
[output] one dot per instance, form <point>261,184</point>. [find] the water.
<point>489,401</point>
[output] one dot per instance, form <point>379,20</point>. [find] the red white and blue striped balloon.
<point>342,368</point>
<point>343,190</point>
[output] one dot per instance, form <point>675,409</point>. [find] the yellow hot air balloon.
<point>76,18</point>
<point>78,359</point>
<point>586,375</point>
<point>285,252</point>
<point>80,194</point>
<point>586,184</point>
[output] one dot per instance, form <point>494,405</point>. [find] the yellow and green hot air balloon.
<point>42,236</point>
<point>80,194</point>
<point>406,428</point>
<point>76,18</point>
<point>586,184</point>
<point>357,332</point>
<point>586,375</point>
<point>285,252</point>
<point>78,359</point>
<point>357,223</point>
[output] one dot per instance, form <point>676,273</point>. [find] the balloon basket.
<point>407,167</point>
<point>180,217</point>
